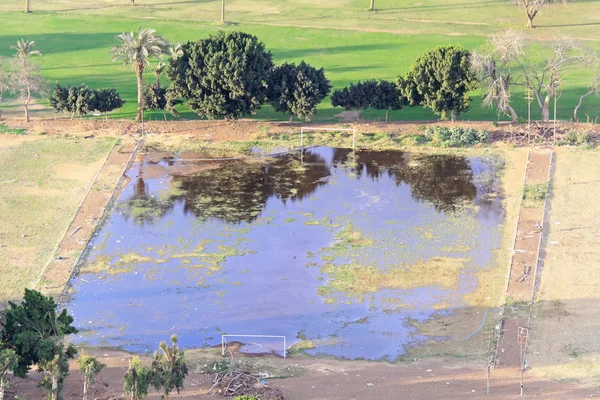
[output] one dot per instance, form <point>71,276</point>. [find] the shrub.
<point>455,136</point>
<point>574,137</point>
<point>522,120</point>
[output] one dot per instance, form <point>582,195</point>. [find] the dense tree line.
<point>232,75</point>
<point>80,100</point>
<point>33,333</point>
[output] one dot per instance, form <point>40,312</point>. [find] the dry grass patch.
<point>37,202</point>
<point>564,341</point>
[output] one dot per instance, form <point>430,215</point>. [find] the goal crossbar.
<point>224,341</point>
<point>353,130</point>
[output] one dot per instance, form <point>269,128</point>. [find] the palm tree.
<point>25,50</point>
<point>136,49</point>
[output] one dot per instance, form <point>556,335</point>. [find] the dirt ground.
<point>565,322</point>
<point>246,129</point>
<point>338,380</point>
<point>422,379</point>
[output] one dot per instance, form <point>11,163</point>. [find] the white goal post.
<point>224,341</point>
<point>303,129</point>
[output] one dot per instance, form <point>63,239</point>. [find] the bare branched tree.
<point>507,64</point>
<point>533,7</point>
<point>24,78</point>
<point>24,82</point>
<point>3,81</point>
<point>27,6</point>
<point>494,70</point>
<point>546,80</point>
<point>594,88</point>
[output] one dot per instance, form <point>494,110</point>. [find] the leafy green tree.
<point>355,97</point>
<point>223,76</point>
<point>386,96</point>
<point>137,379</point>
<point>8,361</point>
<point>136,49</point>
<point>59,98</point>
<point>106,100</point>
<point>297,89</point>
<point>79,100</point>
<point>36,333</point>
<point>157,98</point>
<point>440,79</point>
<point>168,369</point>
<point>90,367</point>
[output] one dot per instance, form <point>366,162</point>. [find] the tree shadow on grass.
<point>64,42</point>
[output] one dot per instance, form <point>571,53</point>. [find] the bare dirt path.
<point>522,277</point>
<point>57,273</point>
<point>337,380</point>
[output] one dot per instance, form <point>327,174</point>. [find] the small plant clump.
<point>534,195</point>
<point>574,138</point>
<point>456,136</point>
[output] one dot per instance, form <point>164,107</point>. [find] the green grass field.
<point>342,36</point>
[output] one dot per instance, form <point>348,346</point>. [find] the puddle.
<point>340,252</point>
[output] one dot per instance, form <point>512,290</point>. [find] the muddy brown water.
<point>338,251</point>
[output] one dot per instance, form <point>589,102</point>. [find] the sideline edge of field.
<point>520,295</point>
<point>70,250</point>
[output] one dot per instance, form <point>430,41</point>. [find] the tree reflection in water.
<point>238,192</point>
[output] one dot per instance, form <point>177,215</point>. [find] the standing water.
<point>338,251</point>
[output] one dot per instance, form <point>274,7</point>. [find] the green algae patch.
<point>351,237</point>
<point>355,279</point>
<point>133,258</point>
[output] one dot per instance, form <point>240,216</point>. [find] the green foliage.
<point>385,96</point>
<point>106,100</point>
<point>55,371</point>
<point>169,368</point>
<point>80,100</point>
<point>246,397</point>
<point>137,379</point>
<point>440,79</point>
<point>59,98</point>
<point>355,97</point>
<point>35,332</point>
<point>455,136</point>
<point>136,49</point>
<point>8,361</point>
<point>160,99</point>
<point>297,89</point>
<point>534,195</point>
<point>522,120</point>
<point>223,76</point>
<point>12,131</point>
<point>574,138</point>
<point>90,367</point>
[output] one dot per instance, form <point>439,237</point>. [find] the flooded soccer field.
<point>341,252</point>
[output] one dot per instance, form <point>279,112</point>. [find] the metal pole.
<point>301,137</point>
<point>521,380</point>
<point>555,118</point>
<point>353,139</point>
